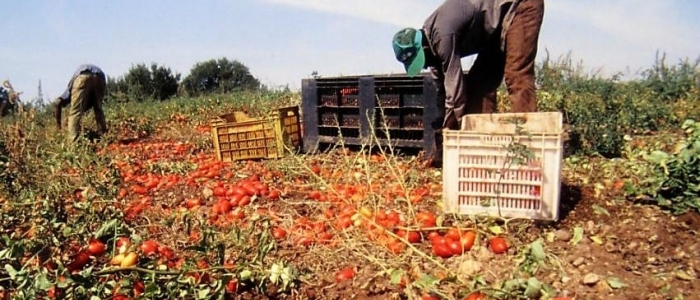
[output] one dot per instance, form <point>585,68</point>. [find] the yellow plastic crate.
<point>237,116</point>
<point>257,138</point>
<point>486,171</point>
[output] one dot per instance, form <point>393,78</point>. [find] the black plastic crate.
<point>388,100</point>
<point>350,100</point>
<point>407,103</point>
<point>412,100</point>
<point>412,121</point>
<point>328,100</point>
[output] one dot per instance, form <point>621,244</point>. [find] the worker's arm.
<point>58,106</point>
<point>452,74</point>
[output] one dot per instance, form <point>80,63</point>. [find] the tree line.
<point>159,83</point>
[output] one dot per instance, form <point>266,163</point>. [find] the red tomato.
<point>244,201</point>
<point>476,296</point>
<point>149,247</point>
<point>498,245</point>
<point>139,288</point>
<point>166,252</point>
<point>343,222</point>
<point>467,240</point>
<point>122,244</point>
<point>225,207</point>
<point>250,189</point>
<point>219,192</point>
<point>429,297</point>
<point>345,274</point>
<point>455,246</point>
<point>413,237</point>
<point>433,235</point>
<point>232,286</point>
<point>396,247</point>
<point>274,194</point>
<point>315,195</point>
<point>279,233</point>
<point>79,261</point>
<point>442,250</point>
<point>426,219</point>
<point>454,233</point>
<point>96,248</point>
<point>439,240</point>
<point>237,190</point>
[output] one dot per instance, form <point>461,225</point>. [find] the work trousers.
<point>515,62</point>
<point>87,92</point>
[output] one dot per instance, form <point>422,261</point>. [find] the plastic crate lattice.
<point>483,175</point>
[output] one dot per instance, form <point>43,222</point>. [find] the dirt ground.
<point>627,251</point>
<point>652,254</point>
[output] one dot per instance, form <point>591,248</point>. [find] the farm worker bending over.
<point>503,34</point>
<point>86,90</point>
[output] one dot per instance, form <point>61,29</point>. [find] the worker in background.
<point>503,34</point>
<point>10,103</point>
<point>85,90</point>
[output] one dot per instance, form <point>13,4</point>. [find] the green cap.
<point>408,47</point>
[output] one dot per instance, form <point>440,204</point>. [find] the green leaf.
<point>537,250</point>
<point>615,283</point>
<point>513,284</point>
<point>42,282</point>
<point>396,276</point>
<point>578,236</point>
<point>496,229</point>
<point>11,271</point>
<point>600,210</point>
<point>533,289</point>
<point>596,239</point>
<point>203,293</point>
<point>106,228</point>
<point>427,281</point>
<point>658,157</point>
<point>683,275</point>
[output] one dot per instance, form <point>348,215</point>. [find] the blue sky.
<point>283,41</point>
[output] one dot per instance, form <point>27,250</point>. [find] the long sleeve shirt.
<point>459,28</point>
<point>82,69</point>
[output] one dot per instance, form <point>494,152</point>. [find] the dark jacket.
<point>459,28</point>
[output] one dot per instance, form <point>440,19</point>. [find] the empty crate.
<point>258,138</point>
<point>506,165</point>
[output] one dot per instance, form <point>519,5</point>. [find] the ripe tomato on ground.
<point>498,245</point>
<point>426,219</point>
<point>476,296</point>
<point>279,233</point>
<point>96,248</point>
<point>345,274</point>
<point>149,247</point>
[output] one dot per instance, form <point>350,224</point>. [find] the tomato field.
<point>147,212</point>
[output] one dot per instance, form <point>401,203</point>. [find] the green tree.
<point>222,76</point>
<point>142,82</point>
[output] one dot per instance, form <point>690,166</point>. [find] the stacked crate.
<point>395,110</point>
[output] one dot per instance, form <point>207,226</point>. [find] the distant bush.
<point>601,111</point>
<point>141,83</point>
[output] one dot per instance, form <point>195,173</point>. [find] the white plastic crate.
<point>484,173</point>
